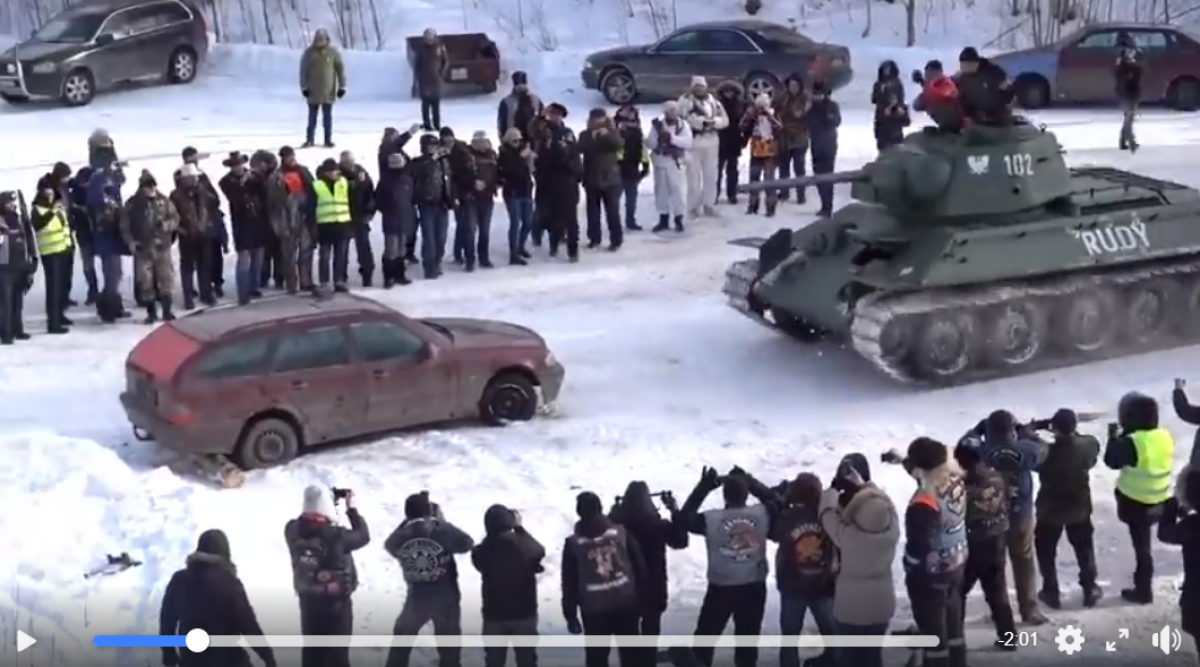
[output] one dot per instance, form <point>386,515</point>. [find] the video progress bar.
<point>198,641</point>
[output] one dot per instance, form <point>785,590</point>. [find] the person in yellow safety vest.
<point>331,198</point>
<point>634,159</point>
<point>1144,454</point>
<point>52,230</point>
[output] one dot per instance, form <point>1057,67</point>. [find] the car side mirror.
<point>105,39</point>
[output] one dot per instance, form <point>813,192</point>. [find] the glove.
<point>1114,430</point>
<point>341,93</point>
<point>304,92</point>
<point>668,501</point>
<point>574,627</point>
<point>414,128</point>
<point>709,478</point>
<point>170,658</point>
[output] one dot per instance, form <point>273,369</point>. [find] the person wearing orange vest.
<point>762,130</point>
<point>1144,455</point>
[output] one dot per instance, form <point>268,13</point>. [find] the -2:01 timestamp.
<point>1015,639</point>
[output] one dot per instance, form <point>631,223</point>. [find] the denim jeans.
<point>112,272</point>
<point>434,221</point>
<point>479,231</point>
<point>520,224</point>
<point>792,610</point>
<point>249,267</point>
<point>791,163</point>
<point>865,656</point>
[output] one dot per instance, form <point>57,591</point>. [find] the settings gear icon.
<point>1069,640</point>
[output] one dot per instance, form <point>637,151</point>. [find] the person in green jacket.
<point>322,82</point>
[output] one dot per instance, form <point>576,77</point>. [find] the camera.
<point>340,494</point>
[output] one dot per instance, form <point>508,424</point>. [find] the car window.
<point>70,28</point>
<point>1146,40</point>
<point>1106,39</point>
<point>311,349</point>
<point>384,341</point>
<point>683,42</point>
<point>235,360</point>
<point>134,21</point>
<point>1151,40</point>
<point>170,12</point>
<point>726,41</point>
<point>784,36</point>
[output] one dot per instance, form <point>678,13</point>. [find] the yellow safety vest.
<point>333,207</point>
<point>55,237</point>
<point>1150,482</point>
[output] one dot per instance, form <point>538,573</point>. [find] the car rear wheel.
<point>761,83</point>
<point>78,88</point>
<point>1184,94</point>
<point>509,397</point>
<point>1032,92</point>
<point>181,67</point>
<point>267,442</point>
<point>618,86</point>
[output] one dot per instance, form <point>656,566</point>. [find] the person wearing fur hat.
<point>822,121</point>
<point>514,166</point>
<point>732,96</point>
<point>149,225</point>
<point>603,581</point>
<point>1189,414</point>
<point>1180,525</point>
<point>246,191</point>
<point>323,573</point>
<point>891,113</point>
<point>1144,454</point>
<point>195,205</point>
<point>559,167</point>
<point>706,117</point>
<point>601,148</point>
<point>935,550</point>
<point>208,595</point>
<point>762,128</point>
<point>519,108</point>
<point>333,215</point>
<point>669,141</point>
<point>425,545</point>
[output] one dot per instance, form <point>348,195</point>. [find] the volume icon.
<point>1167,640</point>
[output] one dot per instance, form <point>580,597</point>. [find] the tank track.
<point>874,313</point>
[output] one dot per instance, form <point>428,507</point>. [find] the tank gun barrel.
<point>834,178</point>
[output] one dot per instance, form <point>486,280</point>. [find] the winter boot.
<point>664,223</point>
<point>368,280</point>
<point>517,260</point>
<point>218,291</point>
<point>752,208</point>
<point>1137,595</point>
<point>633,226</point>
<point>189,303</point>
<point>168,314</point>
<point>1091,596</point>
<point>679,223</point>
<point>151,313</point>
<point>340,288</point>
<point>92,295</point>
<point>1050,597</point>
<point>770,209</point>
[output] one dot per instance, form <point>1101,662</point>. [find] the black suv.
<point>97,44</point>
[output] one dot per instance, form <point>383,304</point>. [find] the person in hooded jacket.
<point>732,96</point>
<point>939,98</point>
<point>891,113</point>
<point>823,119</point>
<point>246,191</point>
<point>519,108</point>
<point>514,167</point>
<point>433,196</point>
<point>984,91</point>
<point>603,579</point>
<point>790,107</point>
<point>635,160</point>
<point>1144,454</point>
<point>1064,504</point>
<point>935,550</point>
<point>987,525</point>
<point>635,511</point>
<point>509,560</point>
<point>208,595</point>
<point>805,566</point>
<point>1127,76</point>
<point>323,572</point>
<point>81,225</point>
<point>195,205</point>
<point>425,545</point>
<point>104,204</point>
<point>735,537</point>
<point>394,198</point>
<point>430,64</point>
<point>705,115</point>
<point>669,140</point>
<point>363,208</point>
<point>861,521</point>
<point>1014,451</point>
<point>1179,525</point>
<point>601,147</point>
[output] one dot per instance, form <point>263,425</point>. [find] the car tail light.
<point>175,412</point>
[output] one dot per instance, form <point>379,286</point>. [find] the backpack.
<point>312,571</point>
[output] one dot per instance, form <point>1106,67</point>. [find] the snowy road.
<point>662,380</point>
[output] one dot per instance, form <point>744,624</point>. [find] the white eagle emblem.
<point>978,164</point>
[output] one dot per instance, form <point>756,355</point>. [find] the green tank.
<point>979,255</point>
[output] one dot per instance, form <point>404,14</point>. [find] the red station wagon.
<point>261,383</point>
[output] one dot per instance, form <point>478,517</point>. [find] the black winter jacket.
<point>823,119</point>
<point>462,170</point>
<point>247,197</point>
<point>601,151</point>
<point>508,560</point>
<point>987,503</point>
<point>487,171</point>
<point>806,561</point>
<point>1181,526</point>
<point>515,174</point>
<point>345,541</point>
<point>732,96</point>
<point>362,195</point>
<point>1190,414</point>
<point>653,534</point>
<point>570,584</point>
<point>891,112</point>
<point>1127,74</point>
<point>431,181</point>
<point>1064,480</point>
<point>393,192</point>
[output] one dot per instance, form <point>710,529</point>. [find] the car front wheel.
<point>267,442</point>
<point>181,68</point>
<point>78,88</point>
<point>1032,92</point>
<point>761,84</point>
<point>618,87</point>
<point>509,397</point>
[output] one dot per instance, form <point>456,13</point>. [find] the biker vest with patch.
<point>605,573</point>
<point>736,539</point>
<point>948,548</point>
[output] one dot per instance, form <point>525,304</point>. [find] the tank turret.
<point>982,172</point>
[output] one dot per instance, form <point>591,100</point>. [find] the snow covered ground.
<point>662,380</point>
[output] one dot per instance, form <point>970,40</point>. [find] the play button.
<point>24,641</point>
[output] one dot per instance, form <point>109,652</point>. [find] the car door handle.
<point>379,374</point>
<point>299,384</point>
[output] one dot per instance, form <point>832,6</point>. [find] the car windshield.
<point>439,328</point>
<point>70,28</point>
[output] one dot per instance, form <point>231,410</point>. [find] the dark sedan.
<point>759,54</point>
<point>97,44</point>
<point>1079,67</point>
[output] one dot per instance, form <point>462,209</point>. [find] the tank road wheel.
<point>896,339</point>
<point>1150,306</point>
<point>794,326</point>
<point>1089,322</point>
<point>1014,333</point>
<point>945,347</point>
<point>1187,319</point>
